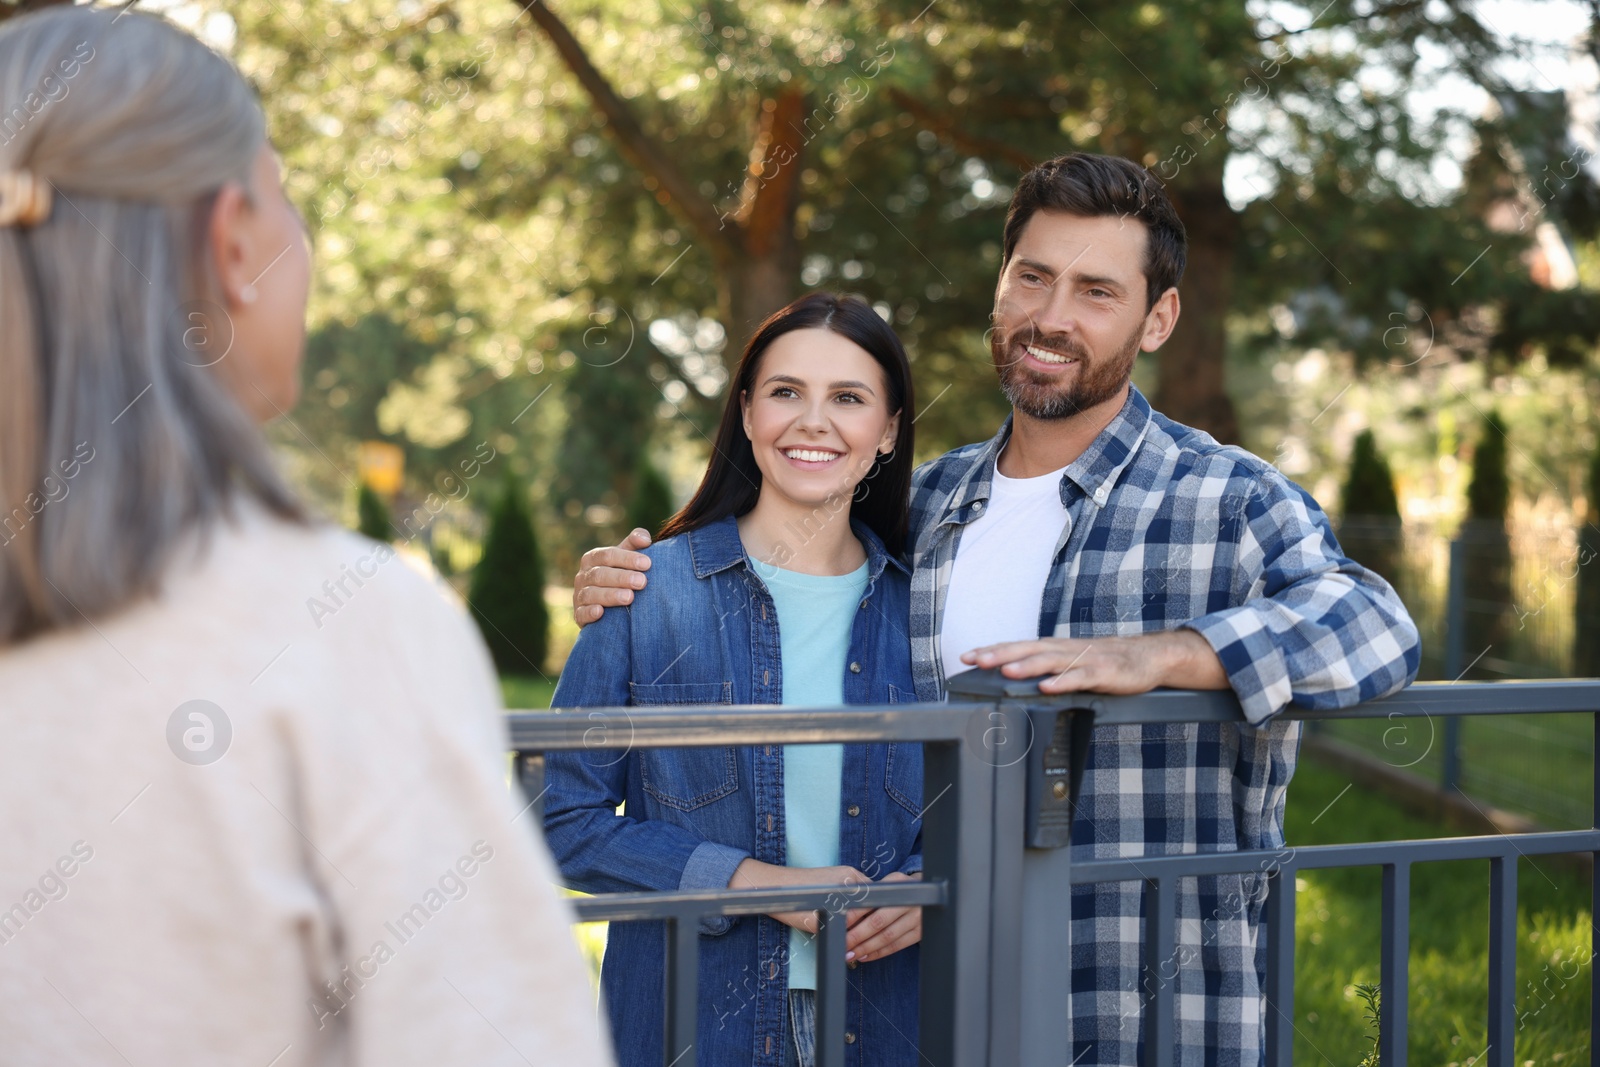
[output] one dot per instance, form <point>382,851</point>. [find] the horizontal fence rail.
<point>996,928</point>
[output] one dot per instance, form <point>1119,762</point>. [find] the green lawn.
<point>1337,942</point>
<point>1537,765</point>
<point>522,693</point>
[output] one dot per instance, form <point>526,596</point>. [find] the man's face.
<point>1070,313</point>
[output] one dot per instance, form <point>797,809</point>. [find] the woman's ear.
<point>230,244</point>
<point>891,434</point>
<point>744,411</point>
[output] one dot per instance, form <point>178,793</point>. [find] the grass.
<point>524,693</point>
<point>1538,765</point>
<point>1337,942</point>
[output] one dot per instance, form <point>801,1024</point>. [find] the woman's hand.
<point>885,931</point>
<point>753,874</point>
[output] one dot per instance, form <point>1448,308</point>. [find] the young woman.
<point>224,819</point>
<point>779,582</point>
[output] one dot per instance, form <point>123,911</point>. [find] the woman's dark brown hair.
<point>733,481</point>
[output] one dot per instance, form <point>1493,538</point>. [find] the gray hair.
<point>117,441</point>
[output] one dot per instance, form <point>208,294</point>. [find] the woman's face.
<point>817,414</point>
<point>263,257</point>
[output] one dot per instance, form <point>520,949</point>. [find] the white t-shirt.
<point>1001,566</point>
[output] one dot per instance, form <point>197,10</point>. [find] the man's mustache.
<point>1024,336</point>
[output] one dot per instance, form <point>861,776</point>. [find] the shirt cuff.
<point>711,866</point>
<point>913,864</point>
<point>1251,657</point>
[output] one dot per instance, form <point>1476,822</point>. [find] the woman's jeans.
<point>802,1050</point>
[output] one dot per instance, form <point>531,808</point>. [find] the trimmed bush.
<point>1369,488</point>
<point>1488,610</point>
<point>650,505</point>
<point>1489,493</point>
<point>372,515</point>
<point>1369,528</point>
<point>507,593</point>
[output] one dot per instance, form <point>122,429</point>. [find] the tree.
<point>372,515</point>
<point>1369,529</point>
<point>951,103</point>
<point>650,506</point>
<point>1486,545</point>
<point>507,592</point>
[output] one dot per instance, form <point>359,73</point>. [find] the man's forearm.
<point>1188,661</point>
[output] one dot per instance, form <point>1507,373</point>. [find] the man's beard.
<point>1037,395</point>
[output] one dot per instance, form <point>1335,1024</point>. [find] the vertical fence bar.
<point>1502,960</point>
<point>1594,909</point>
<point>953,1027</point>
<point>1280,967</point>
<point>683,984</point>
<point>1394,967</point>
<point>1455,665</point>
<point>1160,970</point>
<point>831,988</point>
<point>1010,924</point>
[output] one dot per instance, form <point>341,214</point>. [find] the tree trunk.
<point>1191,365</point>
<point>762,264</point>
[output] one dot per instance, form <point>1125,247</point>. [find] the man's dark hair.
<point>1093,186</point>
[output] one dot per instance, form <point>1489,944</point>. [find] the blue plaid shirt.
<point>1167,529</point>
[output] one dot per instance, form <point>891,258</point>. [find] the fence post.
<point>1455,652</point>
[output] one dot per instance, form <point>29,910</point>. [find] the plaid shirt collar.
<point>1094,473</point>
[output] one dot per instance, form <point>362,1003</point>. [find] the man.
<point>1098,543</point>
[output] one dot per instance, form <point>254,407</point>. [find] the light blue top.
<point>815,616</point>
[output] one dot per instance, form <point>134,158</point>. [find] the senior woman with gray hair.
<point>232,831</point>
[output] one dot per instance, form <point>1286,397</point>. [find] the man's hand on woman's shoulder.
<point>608,576</point>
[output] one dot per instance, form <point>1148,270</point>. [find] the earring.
<point>247,295</point>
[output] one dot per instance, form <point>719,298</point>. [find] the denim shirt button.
<point>772,969</point>
<point>849,1037</point>
<point>853,810</point>
<point>855,668</point>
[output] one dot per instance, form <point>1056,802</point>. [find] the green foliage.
<point>650,505</point>
<point>1489,493</point>
<point>1371,999</point>
<point>507,593</point>
<point>1369,488</point>
<point>482,238</point>
<point>372,515</point>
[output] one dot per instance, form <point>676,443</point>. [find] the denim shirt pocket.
<point>903,767</point>
<point>686,778</point>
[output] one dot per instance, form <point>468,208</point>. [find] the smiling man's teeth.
<point>1044,355</point>
<point>809,455</point>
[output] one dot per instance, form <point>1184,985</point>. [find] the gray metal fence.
<point>1001,764</point>
<point>1490,604</point>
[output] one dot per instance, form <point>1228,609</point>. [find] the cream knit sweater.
<point>349,882</point>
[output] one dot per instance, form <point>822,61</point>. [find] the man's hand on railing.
<point>753,874</point>
<point>1180,659</point>
<point>607,577</point>
<point>885,931</point>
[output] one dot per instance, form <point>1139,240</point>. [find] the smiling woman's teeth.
<point>808,455</point>
<point>1046,356</point>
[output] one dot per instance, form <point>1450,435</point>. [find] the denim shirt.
<point>704,631</point>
